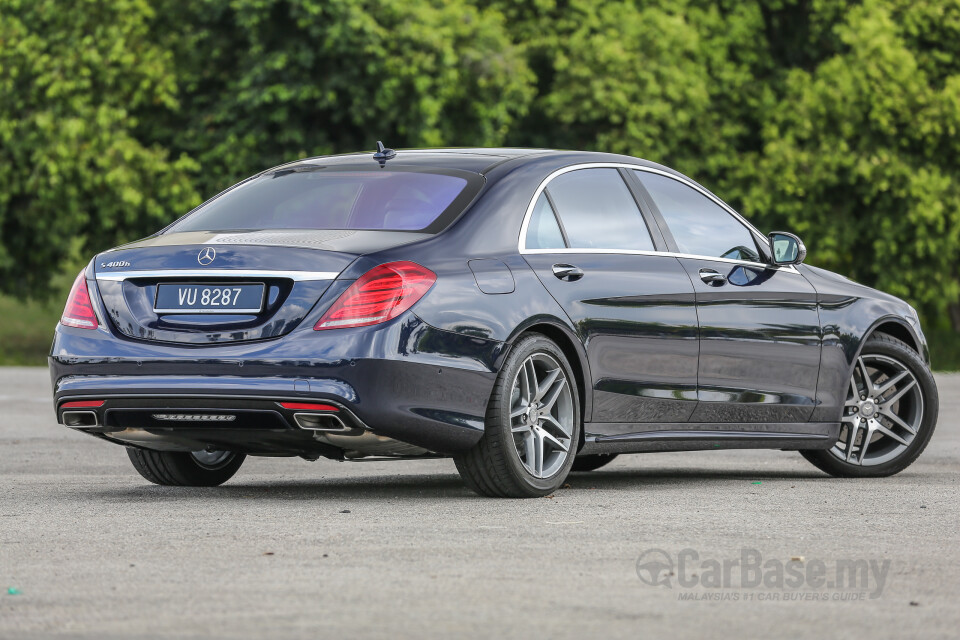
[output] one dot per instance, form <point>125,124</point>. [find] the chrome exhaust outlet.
<point>327,422</point>
<point>80,419</point>
<point>356,442</point>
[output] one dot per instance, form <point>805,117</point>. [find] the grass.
<point>26,330</point>
<point>944,349</point>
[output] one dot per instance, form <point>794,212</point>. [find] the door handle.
<point>713,278</point>
<point>567,272</point>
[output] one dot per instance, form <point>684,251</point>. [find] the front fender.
<point>846,329</point>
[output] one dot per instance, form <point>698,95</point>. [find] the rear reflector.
<point>379,295</point>
<point>79,311</point>
<point>305,406</point>
<point>82,404</point>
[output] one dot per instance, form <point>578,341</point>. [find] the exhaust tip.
<point>80,419</point>
<point>321,422</point>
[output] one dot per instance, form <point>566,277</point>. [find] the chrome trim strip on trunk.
<point>119,276</point>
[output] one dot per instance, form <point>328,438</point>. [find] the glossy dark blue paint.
<point>759,344</point>
<point>400,380</point>
<point>766,357</point>
<point>849,313</point>
<point>636,316</point>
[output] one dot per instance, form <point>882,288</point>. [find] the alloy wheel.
<point>541,415</point>
<point>212,459</point>
<point>882,412</point>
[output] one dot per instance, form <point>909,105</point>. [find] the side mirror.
<point>786,248</point>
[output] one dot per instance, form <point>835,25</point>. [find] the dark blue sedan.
<point>525,312</point>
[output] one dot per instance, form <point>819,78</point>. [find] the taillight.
<point>79,310</point>
<point>379,295</point>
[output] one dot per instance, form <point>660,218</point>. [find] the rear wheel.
<point>592,462</point>
<point>889,413</point>
<point>186,469</point>
<point>532,425</point>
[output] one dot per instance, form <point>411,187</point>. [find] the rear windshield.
<point>309,197</point>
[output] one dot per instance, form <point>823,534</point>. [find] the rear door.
<point>759,325</point>
<point>633,306</point>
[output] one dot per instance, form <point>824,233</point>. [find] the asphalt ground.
<point>298,549</point>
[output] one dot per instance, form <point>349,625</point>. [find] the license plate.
<point>209,298</point>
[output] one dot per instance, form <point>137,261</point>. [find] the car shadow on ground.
<point>445,485</point>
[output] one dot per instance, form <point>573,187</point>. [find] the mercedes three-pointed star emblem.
<point>206,255</point>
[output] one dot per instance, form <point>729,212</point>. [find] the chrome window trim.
<point>522,240</point>
<point>297,276</point>
<point>665,254</point>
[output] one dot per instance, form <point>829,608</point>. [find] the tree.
<point>74,176</point>
<point>861,154</point>
<point>837,120</point>
<point>834,119</point>
<point>266,81</point>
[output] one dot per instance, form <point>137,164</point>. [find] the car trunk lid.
<point>277,276</point>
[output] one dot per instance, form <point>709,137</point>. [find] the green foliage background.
<point>837,120</point>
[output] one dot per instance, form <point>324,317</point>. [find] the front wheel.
<point>889,414</point>
<point>532,425</point>
<point>186,469</point>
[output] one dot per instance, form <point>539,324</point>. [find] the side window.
<point>543,232</point>
<point>699,225</point>
<point>597,211</point>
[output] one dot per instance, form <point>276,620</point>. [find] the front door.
<point>759,326</point>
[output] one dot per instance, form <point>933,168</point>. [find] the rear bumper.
<point>407,381</point>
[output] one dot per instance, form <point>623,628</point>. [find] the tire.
<point>920,409</point>
<point>496,467</point>
<point>184,469</point>
<point>592,462</point>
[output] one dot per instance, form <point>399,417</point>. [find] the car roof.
<point>477,160</point>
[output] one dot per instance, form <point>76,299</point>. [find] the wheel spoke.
<point>891,383</point>
<point>519,411</point>
<point>854,398</point>
<point>530,451</point>
<point>867,381</point>
<point>899,394</point>
<point>563,446</point>
<point>538,437</point>
<point>528,381</point>
<point>521,428</point>
<point>521,384</point>
<point>863,447</point>
<point>544,386</point>
<point>549,419</point>
<point>851,439</point>
<point>551,397</point>
<point>887,432</point>
<point>897,420</point>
